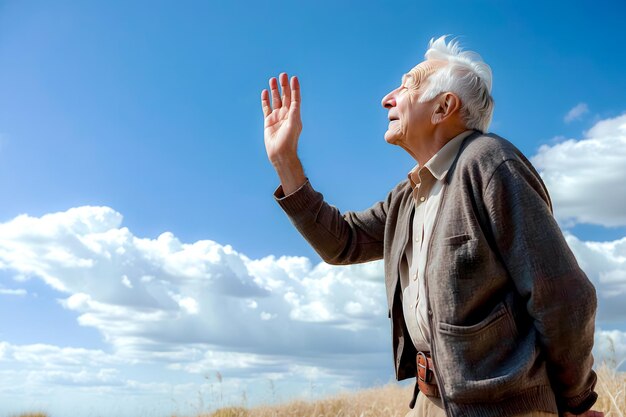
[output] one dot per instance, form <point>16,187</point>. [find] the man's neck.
<point>430,147</point>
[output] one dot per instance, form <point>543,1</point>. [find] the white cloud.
<point>586,177</point>
<point>576,112</point>
<point>18,292</point>
<point>83,377</point>
<point>161,300</point>
<point>44,356</point>
<point>126,282</point>
<point>267,316</point>
<point>188,304</point>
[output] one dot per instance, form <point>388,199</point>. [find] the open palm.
<point>282,118</point>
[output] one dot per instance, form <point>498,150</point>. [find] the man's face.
<point>409,119</point>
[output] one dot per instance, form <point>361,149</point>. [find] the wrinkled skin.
<point>410,121</point>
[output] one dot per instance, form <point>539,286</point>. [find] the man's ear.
<point>446,105</point>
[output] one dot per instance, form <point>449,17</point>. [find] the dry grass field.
<point>392,401</point>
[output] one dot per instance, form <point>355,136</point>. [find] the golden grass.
<point>392,401</point>
<point>611,390</point>
<point>389,401</point>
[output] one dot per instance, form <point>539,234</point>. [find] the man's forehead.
<point>423,70</point>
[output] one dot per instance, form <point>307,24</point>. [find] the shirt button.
<point>430,312</point>
<point>422,199</point>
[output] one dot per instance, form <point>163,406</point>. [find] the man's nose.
<point>389,100</point>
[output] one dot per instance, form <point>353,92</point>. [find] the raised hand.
<point>282,119</point>
<point>282,130</point>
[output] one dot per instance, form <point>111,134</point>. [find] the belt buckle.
<point>428,373</point>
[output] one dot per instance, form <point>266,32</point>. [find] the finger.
<point>276,103</point>
<point>295,94</point>
<point>284,86</point>
<point>265,103</point>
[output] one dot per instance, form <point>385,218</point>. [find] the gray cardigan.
<point>511,313</point>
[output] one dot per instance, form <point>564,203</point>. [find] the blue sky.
<point>137,224</point>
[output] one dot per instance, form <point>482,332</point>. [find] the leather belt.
<point>426,380</point>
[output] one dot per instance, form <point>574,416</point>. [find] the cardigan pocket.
<point>459,257</point>
<point>482,360</point>
<point>496,315</point>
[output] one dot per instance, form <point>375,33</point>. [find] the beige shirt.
<point>427,183</point>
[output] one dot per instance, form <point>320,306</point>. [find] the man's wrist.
<point>285,160</point>
<point>290,172</point>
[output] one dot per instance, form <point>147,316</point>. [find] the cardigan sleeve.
<point>559,296</point>
<point>340,239</point>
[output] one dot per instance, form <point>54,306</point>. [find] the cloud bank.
<point>195,309</point>
<point>151,295</point>
<point>586,177</point>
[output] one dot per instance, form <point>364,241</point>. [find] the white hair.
<point>465,75</point>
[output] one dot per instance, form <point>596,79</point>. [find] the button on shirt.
<point>427,183</point>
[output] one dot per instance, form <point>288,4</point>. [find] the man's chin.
<point>391,138</point>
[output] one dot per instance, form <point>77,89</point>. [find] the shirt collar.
<point>439,164</point>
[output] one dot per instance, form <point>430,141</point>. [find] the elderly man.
<point>489,309</point>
